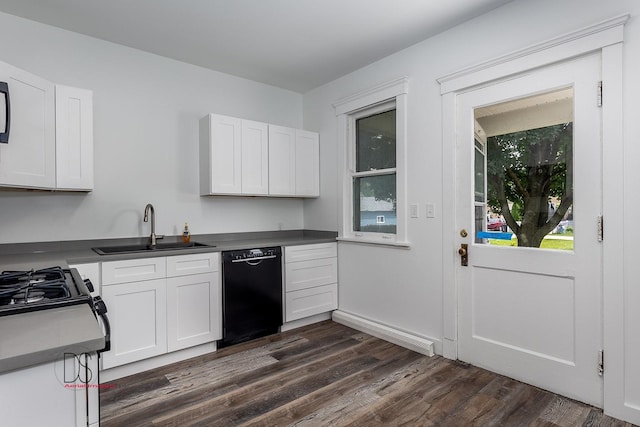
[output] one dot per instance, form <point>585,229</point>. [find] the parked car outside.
<point>496,224</point>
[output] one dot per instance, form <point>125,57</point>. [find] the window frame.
<point>381,98</point>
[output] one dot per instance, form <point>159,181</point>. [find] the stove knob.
<point>100,306</point>
<point>89,285</point>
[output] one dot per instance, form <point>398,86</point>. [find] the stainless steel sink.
<point>128,249</point>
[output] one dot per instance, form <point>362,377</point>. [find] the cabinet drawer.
<point>307,302</point>
<point>307,274</point>
<point>309,252</point>
<point>182,265</point>
<point>133,270</point>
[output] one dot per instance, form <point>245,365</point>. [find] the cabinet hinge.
<point>600,362</point>
<point>600,228</point>
<point>599,96</point>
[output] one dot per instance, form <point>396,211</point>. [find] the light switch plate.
<point>413,211</point>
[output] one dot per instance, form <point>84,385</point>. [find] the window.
<point>373,175</point>
<point>373,128</point>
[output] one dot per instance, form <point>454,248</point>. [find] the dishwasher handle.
<point>260,259</point>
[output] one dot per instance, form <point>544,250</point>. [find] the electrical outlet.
<point>431,210</point>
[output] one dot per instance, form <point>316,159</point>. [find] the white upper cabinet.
<point>220,155</point>
<point>248,158</point>
<point>307,164</point>
<point>50,138</point>
<point>282,158</point>
<point>28,159</point>
<point>294,162</point>
<point>74,138</point>
<point>255,158</point>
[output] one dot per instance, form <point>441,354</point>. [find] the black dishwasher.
<point>251,294</point>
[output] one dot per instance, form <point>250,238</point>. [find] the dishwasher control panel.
<point>248,254</point>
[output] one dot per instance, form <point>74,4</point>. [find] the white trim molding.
<point>346,109</point>
<point>404,339</point>
<point>371,96</point>
<point>569,45</point>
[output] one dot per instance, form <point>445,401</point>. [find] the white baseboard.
<point>305,321</point>
<point>387,333</point>
<point>111,374</point>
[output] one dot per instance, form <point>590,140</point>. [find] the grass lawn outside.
<point>547,243</point>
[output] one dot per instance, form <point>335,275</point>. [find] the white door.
<point>529,153</point>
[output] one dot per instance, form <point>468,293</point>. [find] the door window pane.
<point>480,181</point>
<point>375,204</point>
<point>529,171</point>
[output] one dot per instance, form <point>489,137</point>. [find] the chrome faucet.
<point>153,238</point>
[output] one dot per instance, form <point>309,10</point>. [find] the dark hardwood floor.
<point>330,375</point>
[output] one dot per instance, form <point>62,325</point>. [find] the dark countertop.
<point>26,256</point>
<point>28,339</point>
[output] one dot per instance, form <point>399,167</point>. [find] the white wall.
<point>403,288</point>
<point>146,112</point>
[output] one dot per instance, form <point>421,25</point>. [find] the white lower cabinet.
<point>311,280</point>
<point>152,315</point>
<point>137,313</point>
<point>193,310</point>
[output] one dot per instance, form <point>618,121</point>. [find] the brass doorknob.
<point>464,255</point>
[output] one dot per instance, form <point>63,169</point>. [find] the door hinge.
<point>599,96</point>
<point>600,228</point>
<point>600,362</point>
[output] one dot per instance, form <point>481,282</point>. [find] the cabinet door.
<point>282,158</point>
<point>220,155</point>
<point>255,158</point>
<point>137,312</point>
<point>74,138</point>
<point>193,310</point>
<point>307,164</point>
<point>28,159</point>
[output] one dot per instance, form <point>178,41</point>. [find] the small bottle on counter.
<point>186,235</point>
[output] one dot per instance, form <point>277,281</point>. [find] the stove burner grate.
<point>33,287</point>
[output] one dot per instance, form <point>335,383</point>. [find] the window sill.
<point>376,242</point>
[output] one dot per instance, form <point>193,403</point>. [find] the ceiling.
<point>293,44</point>
<point>529,112</point>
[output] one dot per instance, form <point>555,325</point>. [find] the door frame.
<point>606,37</point>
